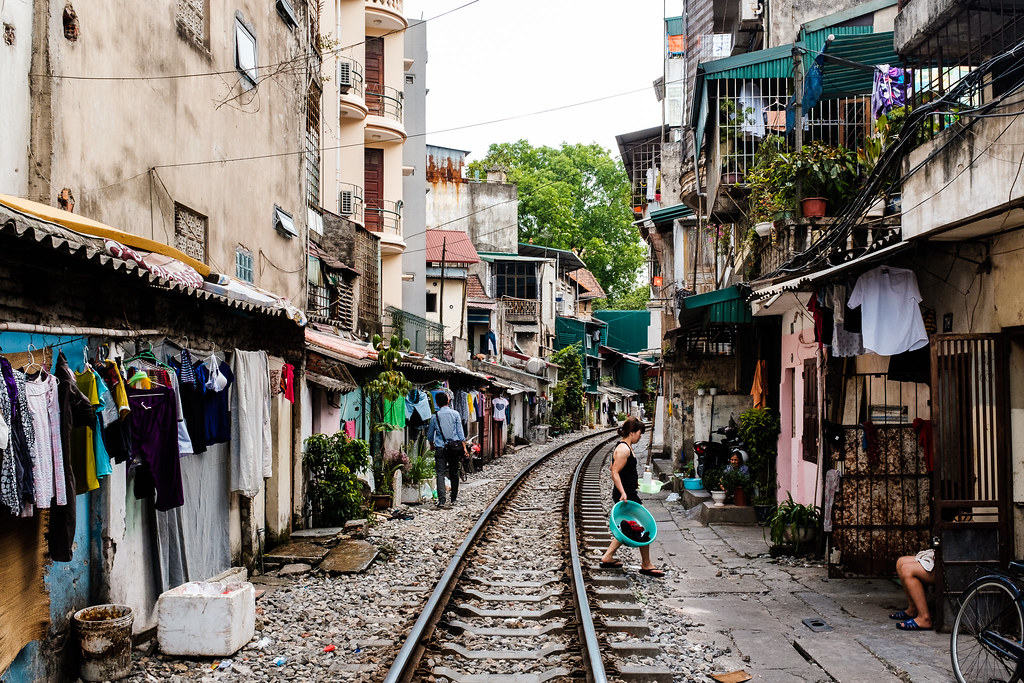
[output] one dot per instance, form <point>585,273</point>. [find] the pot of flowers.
<point>793,524</point>
<point>712,482</point>
<point>703,386</point>
<point>737,486</point>
<point>419,471</point>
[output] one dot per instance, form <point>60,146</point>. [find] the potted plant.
<point>770,180</point>
<point>827,173</point>
<point>793,523</point>
<point>737,486</point>
<point>703,385</point>
<point>419,473</point>
<point>712,480</point>
<point>336,494</point>
<point>758,429</point>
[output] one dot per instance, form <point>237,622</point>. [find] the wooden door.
<point>374,75</point>
<point>810,410</point>
<point>373,190</point>
<point>971,481</point>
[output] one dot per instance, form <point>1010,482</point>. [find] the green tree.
<point>634,300</point>
<point>389,385</point>
<point>567,398</point>
<point>576,197</point>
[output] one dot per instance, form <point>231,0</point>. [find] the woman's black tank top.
<point>629,477</point>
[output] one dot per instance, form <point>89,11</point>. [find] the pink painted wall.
<point>795,475</point>
<point>326,418</point>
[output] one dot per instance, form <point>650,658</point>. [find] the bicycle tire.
<point>990,604</point>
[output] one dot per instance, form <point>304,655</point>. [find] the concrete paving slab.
<point>322,533</point>
<point>842,658</point>
<point>349,557</point>
<point>297,552</point>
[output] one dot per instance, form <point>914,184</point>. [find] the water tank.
<point>535,366</point>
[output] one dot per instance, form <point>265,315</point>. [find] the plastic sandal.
<point>912,625</point>
<point>900,616</point>
<point>615,564</point>
<point>657,573</point>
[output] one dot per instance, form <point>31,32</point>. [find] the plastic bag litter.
<point>672,498</point>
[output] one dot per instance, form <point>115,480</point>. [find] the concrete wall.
<point>956,187</point>
<point>488,212</point>
<point>16,112</point>
<point>786,17</point>
<point>99,137</point>
<point>414,155</point>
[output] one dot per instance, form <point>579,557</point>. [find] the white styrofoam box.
<point>206,618</point>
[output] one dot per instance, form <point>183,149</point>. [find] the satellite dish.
<point>535,366</point>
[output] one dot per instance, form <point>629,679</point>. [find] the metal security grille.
<point>972,455</point>
<point>190,16</point>
<point>313,146</point>
<point>424,335</point>
<point>368,259</point>
<point>882,507</point>
<point>190,232</point>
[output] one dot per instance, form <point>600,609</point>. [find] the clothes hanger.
<point>31,361</point>
<point>149,357</point>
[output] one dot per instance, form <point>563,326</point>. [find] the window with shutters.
<point>243,264</point>
<point>516,279</point>
<point>810,407</point>
<point>190,232</point>
<point>313,145</point>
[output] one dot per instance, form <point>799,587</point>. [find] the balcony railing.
<point>383,100</point>
<point>383,215</point>
<point>393,5</point>
<point>350,201</point>
<point>350,77</point>
<point>519,310</point>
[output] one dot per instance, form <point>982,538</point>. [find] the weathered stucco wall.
<point>788,15</point>
<point>487,212</point>
<point>130,149</point>
<point>14,84</point>
<point>795,474</point>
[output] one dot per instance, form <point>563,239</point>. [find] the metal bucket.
<point>105,641</point>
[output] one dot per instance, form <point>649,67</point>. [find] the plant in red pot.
<point>828,175</point>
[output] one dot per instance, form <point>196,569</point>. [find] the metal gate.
<point>972,522</point>
<point>882,504</point>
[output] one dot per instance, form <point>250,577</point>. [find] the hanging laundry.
<point>888,91</point>
<point>823,325</point>
<point>288,382</point>
<point>417,409</point>
<point>166,376</point>
<point>116,435</point>
<point>461,406</point>
<point>757,391</point>
<point>216,407</point>
<point>48,468</point>
<point>499,405</point>
<point>156,461</point>
<point>394,412</point>
<point>890,313</point>
<point>75,410</point>
<point>9,496</point>
<point>193,404</point>
<point>349,428</point>
<point>22,435</point>
<point>250,422</point>
<point>83,444</point>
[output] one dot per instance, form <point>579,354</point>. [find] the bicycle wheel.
<point>990,606</point>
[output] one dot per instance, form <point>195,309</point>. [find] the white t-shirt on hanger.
<point>499,404</point>
<point>891,321</point>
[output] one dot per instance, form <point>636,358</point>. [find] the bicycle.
<point>987,642</point>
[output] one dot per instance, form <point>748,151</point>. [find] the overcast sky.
<point>494,60</point>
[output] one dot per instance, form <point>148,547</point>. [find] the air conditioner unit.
<point>346,203</point>
<point>344,76</point>
<point>750,13</point>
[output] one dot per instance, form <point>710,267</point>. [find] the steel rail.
<point>586,617</point>
<point>402,668</point>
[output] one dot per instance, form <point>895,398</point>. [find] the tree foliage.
<point>335,492</point>
<point>575,197</point>
<point>568,403</point>
<point>634,300</point>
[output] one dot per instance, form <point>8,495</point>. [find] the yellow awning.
<point>87,226</point>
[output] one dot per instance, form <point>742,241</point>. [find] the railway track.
<point>516,603</point>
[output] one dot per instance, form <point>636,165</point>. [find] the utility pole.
<point>440,303</point>
<point>798,123</point>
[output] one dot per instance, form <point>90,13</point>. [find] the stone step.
<point>645,674</point>
<point>635,648</point>
<point>621,609</point>
<point>634,627</point>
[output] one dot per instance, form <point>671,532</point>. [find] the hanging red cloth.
<point>288,382</point>
<point>923,429</point>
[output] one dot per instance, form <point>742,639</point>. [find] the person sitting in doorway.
<point>736,463</point>
<point>915,571</point>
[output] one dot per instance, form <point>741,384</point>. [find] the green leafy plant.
<point>770,180</point>
<point>335,492</point>
<point>421,463</point>
<point>758,429</point>
<point>711,480</point>
<point>687,469</point>
<point>568,407</point>
<point>790,516</point>
<point>389,385</point>
<point>734,479</point>
<point>826,171</point>
<point>704,384</point>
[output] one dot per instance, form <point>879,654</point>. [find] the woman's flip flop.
<point>657,573</point>
<point>900,616</point>
<point>614,564</point>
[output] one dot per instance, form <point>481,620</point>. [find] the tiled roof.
<point>588,282</point>
<point>455,244</point>
<point>475,289</point>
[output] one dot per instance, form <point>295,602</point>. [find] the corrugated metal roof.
<point>675,26</point>
<point>670,213</point>
<point>455,245</point>
<point>775,62</point>
<point>867,49</point>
